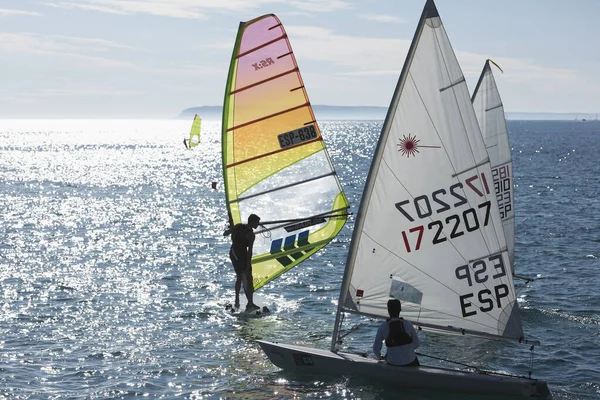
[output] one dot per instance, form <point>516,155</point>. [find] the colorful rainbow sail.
<point>275,163</point>
<point>194,139</point>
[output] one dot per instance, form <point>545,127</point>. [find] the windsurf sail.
<point>194,139</point>
<point>275,163</point>
<point>490,116</point>
<point>428,231</point>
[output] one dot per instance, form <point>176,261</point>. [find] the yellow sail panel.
<point>275,163</point>
<point>195,132</point>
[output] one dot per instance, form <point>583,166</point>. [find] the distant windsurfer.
<point>185,144</point>
<point>400,338</point>
<point>242,240</point>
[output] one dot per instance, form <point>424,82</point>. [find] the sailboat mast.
<point>429,11</point>
<point>226,112</point>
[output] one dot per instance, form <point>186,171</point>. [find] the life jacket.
<point>397,336</point>
<point>239,241</point>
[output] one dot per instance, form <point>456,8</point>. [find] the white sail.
<point>490,115</point>
<point>428,231</point>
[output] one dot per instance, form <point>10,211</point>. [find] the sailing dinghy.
<point>489,111</point>
<point>275,163</point>
<point>194,139</point>
<point>428,232</point>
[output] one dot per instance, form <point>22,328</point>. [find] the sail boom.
<point>451,329</point>
<point>285,222</point>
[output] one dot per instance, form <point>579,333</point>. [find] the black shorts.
<point>239,264</point>
<point>413,363</point>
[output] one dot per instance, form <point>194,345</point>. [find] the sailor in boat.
<point>242,240</point>
<point>400,338</point>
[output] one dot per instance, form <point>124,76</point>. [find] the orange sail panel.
<point>275,163</point>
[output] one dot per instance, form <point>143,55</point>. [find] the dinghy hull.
<point>318,361</point>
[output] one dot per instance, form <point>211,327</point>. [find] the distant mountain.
<point>323,113</point>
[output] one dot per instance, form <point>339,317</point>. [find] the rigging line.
<point>448,361</point>
<point>284,36</point>
<point>319,139</point>
<point>264,81</point>
<point>338,339</point>
<point>307,104</point>
<point>479,370</point>
<point>283,187</point>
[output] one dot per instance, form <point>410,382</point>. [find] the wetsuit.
<point>239,247</point>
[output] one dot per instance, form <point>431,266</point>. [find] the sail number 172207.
<point>442,200</point>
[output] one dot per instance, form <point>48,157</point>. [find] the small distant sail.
<point>194,139</point>
<point>275,163</point>
<point>428,231</point>
<point>490,116</point>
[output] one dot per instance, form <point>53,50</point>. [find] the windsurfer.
<point>242,240</point>
<point>185,144</point>
<point>400,338</point>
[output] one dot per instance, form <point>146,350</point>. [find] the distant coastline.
<point>323,112</point>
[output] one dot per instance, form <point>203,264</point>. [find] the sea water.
<point>114,271</point>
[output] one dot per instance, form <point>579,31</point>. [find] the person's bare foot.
<point>252,307</point>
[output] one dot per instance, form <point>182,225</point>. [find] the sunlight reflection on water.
<point>114,271</point>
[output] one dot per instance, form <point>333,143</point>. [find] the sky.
<point>154,58</point>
